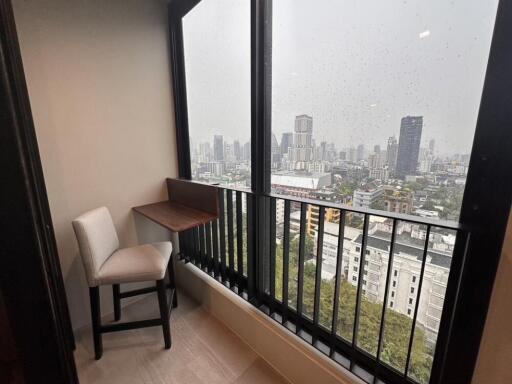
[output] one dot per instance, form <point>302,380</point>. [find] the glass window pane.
<point>374,103</point>
<point>217,47</point>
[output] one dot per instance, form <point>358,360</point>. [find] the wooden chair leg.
<point>117,301</point>
<point>172,282</point>
<point>94,295</point>
<point>164,312</point>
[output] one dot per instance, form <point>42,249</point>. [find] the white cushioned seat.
<point>105,263</point>
<point>141,263</point>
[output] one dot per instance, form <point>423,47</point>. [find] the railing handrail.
<point>444,224</point>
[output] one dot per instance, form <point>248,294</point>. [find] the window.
<point>367,252</point>
<point>355,269</point>
<point>218,91</point>
<point>381,77</point>
<point>375,94</point>
<point>409,311</point>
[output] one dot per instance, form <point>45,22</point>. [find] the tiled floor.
<point>203,351</point>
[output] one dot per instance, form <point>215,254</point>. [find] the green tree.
<point>397,327</point>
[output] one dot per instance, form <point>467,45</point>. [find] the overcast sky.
<point>356,66</point>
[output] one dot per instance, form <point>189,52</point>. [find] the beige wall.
<point>495,357</point>
<point>99,85</point>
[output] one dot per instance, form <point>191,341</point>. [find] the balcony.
<point>293,272</point>
<point>347,321</point>
<point>204,351</point>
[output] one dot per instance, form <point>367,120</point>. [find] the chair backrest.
<point>97,240</point>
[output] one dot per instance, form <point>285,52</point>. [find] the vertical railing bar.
<point>197,249</point>
<point>231,243</point>
<point>202,246</point>
<point>209,255</point>
<point>286,257</point>
<point>300,279</point>
<point>338,278</point>
<point>184,246</point>
<point>319,260</point>
<point>272,261</point>
<point>360,282</point>
<point>181,240</point>
<point>190,245</point>
<point>215,235</point>
<point>251,272</point>
<point>222,235</point>
<point>386,292</point>
<point>239,242</point>
<point>417,303</point>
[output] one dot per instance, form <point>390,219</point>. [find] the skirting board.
<point>292,357</point>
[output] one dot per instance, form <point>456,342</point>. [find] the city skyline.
<point>426,142</point>
<point>355,88</point>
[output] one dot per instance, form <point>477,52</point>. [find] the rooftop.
<point>313,180</point>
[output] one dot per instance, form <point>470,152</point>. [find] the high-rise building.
<point>275,153</point>
<point>432,146</point>
<point>237,150</point>
<point>352,155</point>
<point>228,152</point>
<point>286,142</point>
<point>218,148</point>
<point>247,151</point>
<point>204,153</point>
<point>409,145</point>
<point>360,152</point>
<point>391,153</point>
<point>374,161</point>
<point>302,150</point>
<point>376,148</point>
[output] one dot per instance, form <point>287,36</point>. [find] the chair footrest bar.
<point>141,291</point>
<point>137,292</point>
<point>130,325</point>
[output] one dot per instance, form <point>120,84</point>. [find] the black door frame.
<point>488,192</point>
<point>30,276</point>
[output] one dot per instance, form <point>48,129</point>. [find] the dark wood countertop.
<point>174,216</point>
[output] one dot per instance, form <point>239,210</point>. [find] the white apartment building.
<point>366,195</point>
<point>405,274</point>
<point>405,271</point>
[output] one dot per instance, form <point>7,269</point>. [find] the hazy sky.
<point>356,66</point>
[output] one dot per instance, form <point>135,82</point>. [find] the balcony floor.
<point>203,351</point>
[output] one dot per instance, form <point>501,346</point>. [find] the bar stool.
<point>106,264</point>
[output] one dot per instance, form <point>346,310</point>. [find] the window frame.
<point>470,282</point>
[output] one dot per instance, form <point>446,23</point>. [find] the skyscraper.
<point>218,148</point>
<point>237,150</point>
<point>302,150</point>
<point>247,151</point>
<point>432,145</point>
<point>286,142</point>
<point>360,152</point>
<point>392,152</point>
<point>409,145</point>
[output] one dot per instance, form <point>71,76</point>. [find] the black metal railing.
<point>345,314</point>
